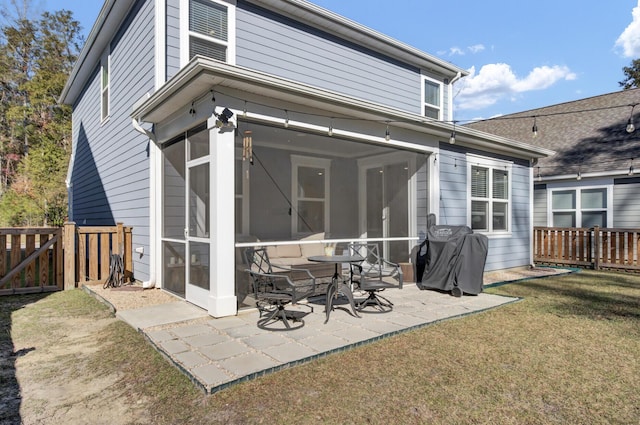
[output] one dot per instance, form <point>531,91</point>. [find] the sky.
<point>520,55</point>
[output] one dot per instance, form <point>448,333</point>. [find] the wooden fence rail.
<point>595,247</point>
<point>43,259</point>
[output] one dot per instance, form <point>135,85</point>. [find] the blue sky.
<point>520,55</point>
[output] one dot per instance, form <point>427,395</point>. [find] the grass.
<point>566,354</point>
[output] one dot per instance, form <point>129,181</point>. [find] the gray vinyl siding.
<point>280,46</point>
<point>626,204</point>
<point>504,252</point>
<point>173,37</point>
<point>453,188</point>
<point>110,173</point>
<point>540,206</point>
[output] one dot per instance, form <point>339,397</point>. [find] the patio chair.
<point>374,275</point>
<point>273,289</point>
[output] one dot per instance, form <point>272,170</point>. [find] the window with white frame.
<point>580,207</point>
<point>489,186</point>
<point>310,197</point>
<point>432,98</point>
<point>209,29</point>
<point>105,65</point>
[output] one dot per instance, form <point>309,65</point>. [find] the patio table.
<point>338,286</point>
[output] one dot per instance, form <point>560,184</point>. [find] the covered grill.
<point>452,258</point>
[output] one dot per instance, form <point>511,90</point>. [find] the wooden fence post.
<point>596,248</point>
<point>69,237</point>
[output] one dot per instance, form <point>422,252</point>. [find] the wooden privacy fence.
<point>588,247</point>
<point>49,259</point>
<point>88,250</point>
<point>30,260</point>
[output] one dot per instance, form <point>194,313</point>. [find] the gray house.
<point>594,178</point>
<point>210,126</point>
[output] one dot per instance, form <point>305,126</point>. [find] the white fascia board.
<point>202,75</point>
<point>587,175</point>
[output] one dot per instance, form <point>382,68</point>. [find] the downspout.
<point>151,283</point>
<point>453,80</point>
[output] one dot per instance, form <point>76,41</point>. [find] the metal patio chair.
<point>273,289</point>
<point>374,275</point>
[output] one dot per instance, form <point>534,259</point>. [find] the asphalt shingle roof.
<point>588,134</point>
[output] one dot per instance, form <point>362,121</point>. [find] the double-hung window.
<point>579,207</point>
<point>432,98</point>
<point>211,29</point>
<point>489,183</point>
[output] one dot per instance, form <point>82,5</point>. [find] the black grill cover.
<point>451,256</point>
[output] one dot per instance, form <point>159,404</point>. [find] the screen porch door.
<point>386,206</point>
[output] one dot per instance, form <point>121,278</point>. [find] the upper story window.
<point>211,29</point>
<point>490,195</point>
<point>105,65</point>
<point>586,207</point>
<point>432,98</point>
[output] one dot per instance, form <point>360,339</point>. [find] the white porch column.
<point>222,298</point>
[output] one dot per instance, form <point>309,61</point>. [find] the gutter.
<point>151,283</point>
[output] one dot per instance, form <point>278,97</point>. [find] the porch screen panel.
<point>199,201</point>
<point>397,177</point>
<point>375,202</point>
<point>173,193</point>
<point>174,263</point>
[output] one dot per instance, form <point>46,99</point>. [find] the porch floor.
<point>217,353</point>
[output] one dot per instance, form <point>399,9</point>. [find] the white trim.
<point>491,164</point>
<point>423,102</point>
<point>185,34</point>
<point>106,57</point>
<point>433,185</point>
<point>305,161</point>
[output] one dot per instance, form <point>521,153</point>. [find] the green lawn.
<point>568,353</point>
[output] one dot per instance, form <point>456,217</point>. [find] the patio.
<point>217,353</point>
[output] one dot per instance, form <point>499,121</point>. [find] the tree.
<point>36,57</point>
<point>632,75</point>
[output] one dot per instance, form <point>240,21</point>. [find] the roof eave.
<point>110,17</point>
<point>204,74</point>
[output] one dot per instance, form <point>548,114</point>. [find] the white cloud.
<point>629,40</point>
<point>495,81</point>
<point>457,51</point>
<point>477,48</point>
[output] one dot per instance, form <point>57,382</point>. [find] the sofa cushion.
<point>288,250</point>
<point>310,249</point>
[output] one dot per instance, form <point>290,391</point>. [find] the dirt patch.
<point>49,373</point>
<point>130,296</point>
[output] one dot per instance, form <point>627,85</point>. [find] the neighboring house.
<point>212,125</point>
<point>594,177</point>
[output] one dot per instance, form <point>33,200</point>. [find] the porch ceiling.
<point>203,74</point>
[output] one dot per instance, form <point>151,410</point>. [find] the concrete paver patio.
<point>216,353</point>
